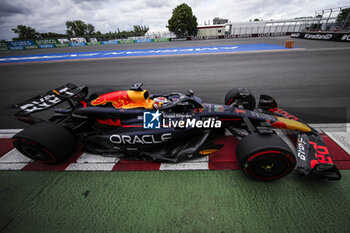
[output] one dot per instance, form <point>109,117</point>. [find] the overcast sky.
<point>108,15</point>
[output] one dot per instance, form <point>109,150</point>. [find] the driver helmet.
<point>160,101</point>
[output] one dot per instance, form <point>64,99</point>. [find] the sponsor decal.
<point>295,35</point>
<point>243,35</point>
<point>31,47</point>
<point>41,103</point>
<point>117,98</point>
<point>20,43</point>
<point>143,41</point>
<point>16,48</point>
<point>240,111</point>
<point>208,151</point>
<point>285,114</point>
<point>61,45</point>
<point>301,149</point>
<point>264,34</point>
<point>45,46</point>
<point>110,122</point>
<point>318,36</point>
<point>93,43</point>
<point>126,41</point>
<point>114,53</point>
<point>140,139</point>
<point>151,120</point>
<point>44,102</point>
<point>219,108</point>
<point>178,39</point>
<point>46,41</point>
<point>161,40</point>
<point>77,44</point>
<point>322,156</point>
<point>109,42</point>
<point>346,37</point>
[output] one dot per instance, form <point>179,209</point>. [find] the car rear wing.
<point>313,158</point>
<point>48,100</point>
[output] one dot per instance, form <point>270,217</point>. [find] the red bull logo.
<point>118,99</point>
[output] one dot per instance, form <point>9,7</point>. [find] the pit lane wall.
<point>54,43</point>
<point>329,36</point>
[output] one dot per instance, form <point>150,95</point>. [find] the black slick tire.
<point>265,156</point>
<point>46,142</point>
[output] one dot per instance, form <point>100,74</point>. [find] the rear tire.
<point>265,156</point>
<point>46,142</point>
<point>247,100</point>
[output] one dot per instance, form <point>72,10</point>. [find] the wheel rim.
<point>269,166</point>
<point>33,151</point>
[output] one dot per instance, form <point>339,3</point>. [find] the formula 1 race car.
<point>175,127</point>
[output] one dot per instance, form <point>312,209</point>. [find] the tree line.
<point>182,23</point>
<point>77,28</point>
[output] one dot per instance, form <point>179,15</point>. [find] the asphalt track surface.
<point>313,83</point>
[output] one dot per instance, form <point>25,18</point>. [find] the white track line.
<point>6,136</point>
<point>13,160</point>
<point>183,166</point>
<point>14,156</point>
<point>94,158</point>
<point>10,131</point>
<point>90,167</point>
<point>332,127</point>
<point>341,138</point>
<point>12,166</point>
<point>93,162</point>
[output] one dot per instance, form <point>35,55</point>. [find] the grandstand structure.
<point>324,20</point>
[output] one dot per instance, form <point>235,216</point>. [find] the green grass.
<point>170,201</point>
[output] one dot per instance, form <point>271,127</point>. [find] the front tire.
<point>265,156</point>
<point>46,142</point>
<point>242,96</point>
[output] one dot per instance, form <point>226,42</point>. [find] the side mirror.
<point>266,102</point>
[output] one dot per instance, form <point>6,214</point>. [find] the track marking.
<point>9,133</point>
<point>341,138</point>
<point>184,166</point>
<point>6,135</point>
<point>12,166</point>
<point>14,156</point>
<point>337,134</point>
<point>90,167</point>
<point>220,49</point>
<point>94,158</point>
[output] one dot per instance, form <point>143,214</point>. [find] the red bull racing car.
<point>134,124</point>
